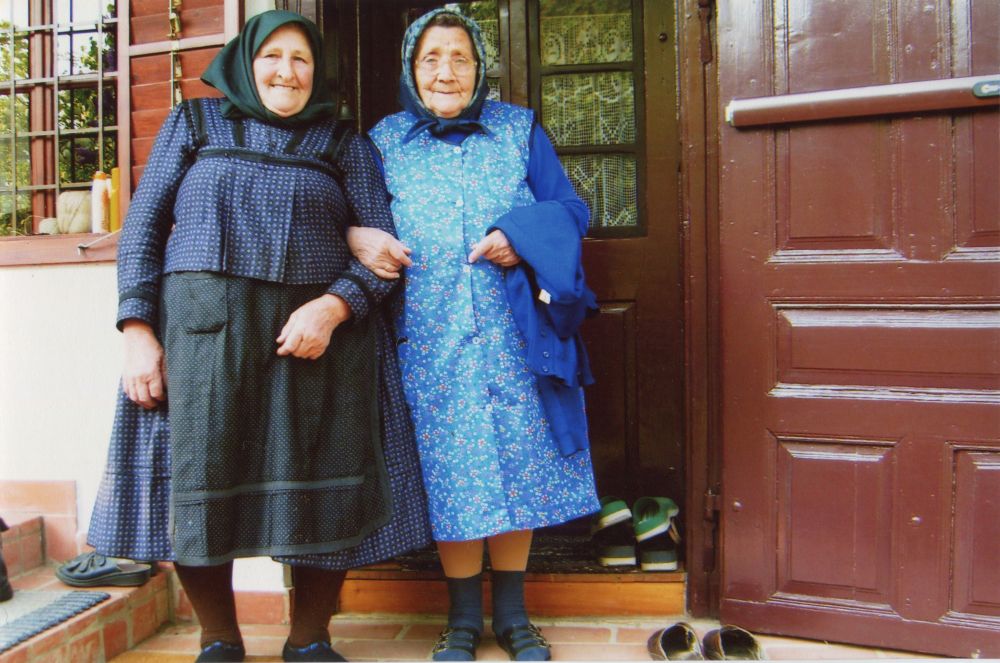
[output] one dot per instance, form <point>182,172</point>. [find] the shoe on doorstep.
<point>221,652</point>
<point>731,643</point>
<point>611,533</point>
<point>675,643</point>
<point>651,516</point>
<point>659,553</point>
<point>321,650</point>
<point>614,510</point>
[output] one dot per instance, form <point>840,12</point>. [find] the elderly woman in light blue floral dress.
<point>455,164</point>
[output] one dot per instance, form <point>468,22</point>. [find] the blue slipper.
<point>93,570</point>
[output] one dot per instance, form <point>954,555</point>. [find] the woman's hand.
<point>309,327</point>
<point>495,248</point>
<point>144,375</point>
<point>379,251</point>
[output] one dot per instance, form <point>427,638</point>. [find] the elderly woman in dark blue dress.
<point>243,308</point>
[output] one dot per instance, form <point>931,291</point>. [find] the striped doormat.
<point>31,612</point>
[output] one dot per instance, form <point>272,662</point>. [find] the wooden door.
<point>860,330</point>
<point>601,76</point>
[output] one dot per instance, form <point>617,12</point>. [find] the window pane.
<point>15,219</point>
<point>20,15</point>
<point>79,52</point>
<point>494,92</point>
<point>607,183</point>
<point>79,11</point>
<point>18,56</point>
<point>589,109</point>
<point>20,114</point>
<point>486,15</point>
<point>586,31</point>
<point>78,108</point>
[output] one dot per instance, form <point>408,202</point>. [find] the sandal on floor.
<point>221,652</point>
<point>321,650</point>
<point>651,516</point>
<point>524,642</point>
<point>93,570</point>
<point>456,644</point>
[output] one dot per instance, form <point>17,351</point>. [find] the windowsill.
<point>56,249</point>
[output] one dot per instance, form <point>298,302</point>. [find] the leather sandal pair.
<point>680,643</point>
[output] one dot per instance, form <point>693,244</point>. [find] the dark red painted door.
<point>860,313</point>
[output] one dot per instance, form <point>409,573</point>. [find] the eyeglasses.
<point>459,65</point>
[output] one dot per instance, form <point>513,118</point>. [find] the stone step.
<point>22,545</point>
<point>108,629</point>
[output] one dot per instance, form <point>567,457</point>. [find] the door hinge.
<point>713,502</point>
<point>705,13</point>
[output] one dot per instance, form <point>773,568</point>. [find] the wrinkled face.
<point>283,71</point>
<point>445,70</point>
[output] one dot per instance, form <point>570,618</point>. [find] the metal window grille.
<point>58,103</point>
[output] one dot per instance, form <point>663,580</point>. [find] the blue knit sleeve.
<point>366,194</point>
<point>554,193</point>
<point>150,218</point>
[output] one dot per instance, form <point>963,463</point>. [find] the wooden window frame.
<point>637,68</point>
<point>40,250</point>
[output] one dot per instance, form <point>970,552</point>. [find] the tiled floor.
<point>409,638</point>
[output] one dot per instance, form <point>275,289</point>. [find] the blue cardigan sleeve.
<point>554,194</point>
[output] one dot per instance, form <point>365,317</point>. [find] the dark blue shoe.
<point>221,652</point>
<point>524,642</point>
<point>456,643</point>
<point>315,651</point>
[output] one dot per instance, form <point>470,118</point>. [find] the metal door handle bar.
<point>935,95</point>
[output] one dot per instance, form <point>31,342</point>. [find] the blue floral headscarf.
<point>468,120</point>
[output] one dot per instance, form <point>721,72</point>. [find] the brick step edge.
<point>22,546</point>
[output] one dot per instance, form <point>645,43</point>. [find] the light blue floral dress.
<point>490,463</point>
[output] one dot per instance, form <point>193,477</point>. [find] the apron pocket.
<point>205,293</point>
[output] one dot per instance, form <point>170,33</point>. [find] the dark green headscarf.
<point>231,72</point>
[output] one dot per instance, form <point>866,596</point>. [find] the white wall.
<point>60,357</point>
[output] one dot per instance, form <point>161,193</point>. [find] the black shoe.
<point>732,643</point>
<point>524,642</point>
<point>6,591</point>
<point>221,652</point>
<point>315,651</point>
<point>456,644</point>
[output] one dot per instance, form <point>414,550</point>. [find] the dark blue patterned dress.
<point>258,226</point>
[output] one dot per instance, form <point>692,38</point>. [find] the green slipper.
<point>613,510</point>
<point>651,516</point>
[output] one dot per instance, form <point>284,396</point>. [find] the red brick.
<point>264,630</point>
<point>577,634</point>
<point>40,578</point>
<point>78,624</point>
<point>423,631</point>
<point>578,652</point>
<point>261,607</point>
<point>144,622</point>
<point>364,630</point>
<point>817,651</point>
<point>86,648</point>
<point>46,641</point>
<point>31,551</point>
<point>60,538</point>
<point>633,636</point>
<point>264,646</point>
<point>55,497</point>
<point>18,654</point>
<point>183,611</point>
<point>13,558</point>
<point>162,607</point>
<point>115,638</point>
<point>404,650</point>
<point>171,643</point>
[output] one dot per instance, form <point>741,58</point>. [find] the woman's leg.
<point>509,558</point>
<point>210,590</point>
<point>317,592</point>
<point>462,562</point>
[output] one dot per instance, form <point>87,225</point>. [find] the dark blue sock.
<point>466,596</point>
<point>508,600</point>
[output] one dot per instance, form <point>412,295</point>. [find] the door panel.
<point>860,322</point>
